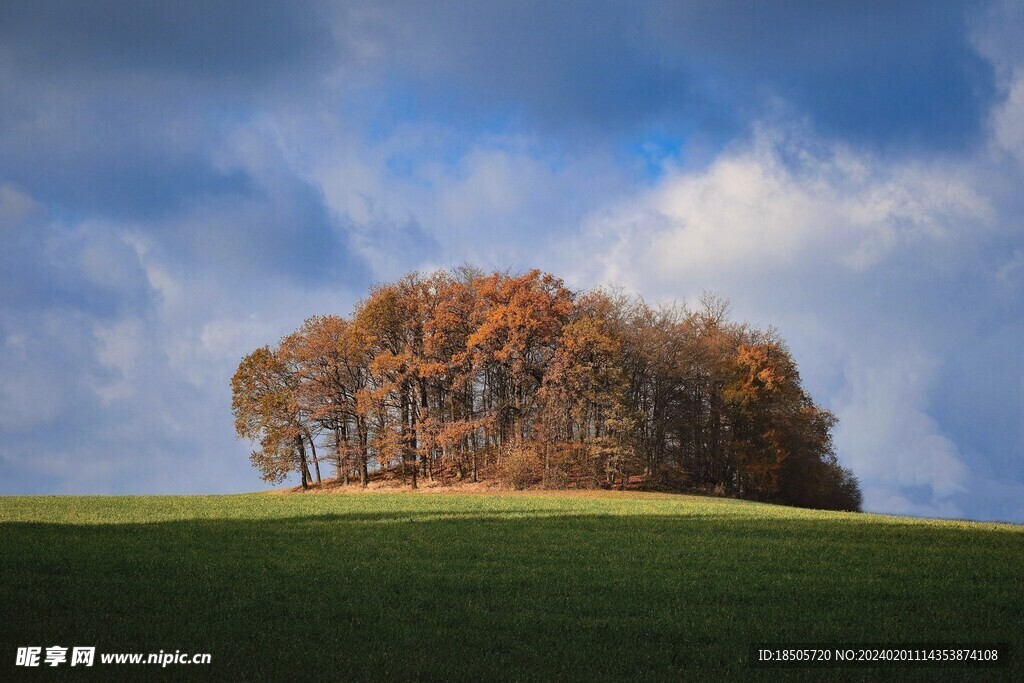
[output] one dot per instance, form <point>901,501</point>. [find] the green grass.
<point>527,587</point>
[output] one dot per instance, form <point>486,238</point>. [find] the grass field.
<point>526,587</point>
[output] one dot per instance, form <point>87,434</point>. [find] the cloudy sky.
<point>182,182</point>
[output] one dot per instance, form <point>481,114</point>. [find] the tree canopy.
<point>462,376</point>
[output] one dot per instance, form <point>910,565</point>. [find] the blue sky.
<point>180,183</point>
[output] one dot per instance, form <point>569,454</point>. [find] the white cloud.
<point>15,205</point>
<point>119,349</point>
<point>781,201</point>
<point>30,396</point>
<point>1008,119</point>
<point>1011,269</point>
<point>997,37</point>
<point>157,276</point>
<point>885,500</point>
<point>427,193</point>
<point>885,433</point>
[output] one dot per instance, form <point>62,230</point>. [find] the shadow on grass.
<point>468,595</point>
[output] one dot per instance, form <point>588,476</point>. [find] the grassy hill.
<point>463,586</point>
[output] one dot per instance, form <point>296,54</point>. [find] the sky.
<point>183,182</point>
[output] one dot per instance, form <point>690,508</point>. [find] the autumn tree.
<point>392,326</point>
<point>265,405</point>
<point>329,361</point>
<point>519,321</point>
<point>463,375</point>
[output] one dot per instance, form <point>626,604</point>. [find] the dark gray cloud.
<point>562,66</point>
<point>892,74</point>
<point>113,108</point>
<point>896,74</point>
<point>234,42</point>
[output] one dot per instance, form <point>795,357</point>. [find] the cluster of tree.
<point>461,376</point>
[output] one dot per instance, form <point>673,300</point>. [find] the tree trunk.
<point>316,460</point>
<point>410,437</point>
<point>364,456</point>
<point>340,459</point>
<point>303,466</point>
<point>364,469</point>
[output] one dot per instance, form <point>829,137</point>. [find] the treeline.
<point>462,376</point>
